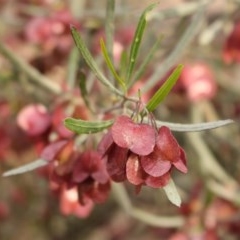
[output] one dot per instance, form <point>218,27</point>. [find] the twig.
<point>228,193</point>
<point>157,221</point>
<point>208,162</point>
<point>31,72</point>
<point>122,198</point>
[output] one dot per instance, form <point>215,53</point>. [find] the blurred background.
<point>39,65</point>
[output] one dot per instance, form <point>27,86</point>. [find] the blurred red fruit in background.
<point>198,81</point>
<point>34,119</point>
<point>231,50</point>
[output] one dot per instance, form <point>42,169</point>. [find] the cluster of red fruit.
<point>137,152</point>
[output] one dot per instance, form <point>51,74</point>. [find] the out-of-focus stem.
<point>121,196</point>
<point>229,193</point>
<point>157,221</point>
<point>30,71</point>
<point>208,163</point>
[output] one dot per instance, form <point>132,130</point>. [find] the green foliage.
<point>137,41</point>
<point>141,69</point>
<point>86,127</point>
<point>164,90</point>
<point>91,62</point>
<point>110,65</point>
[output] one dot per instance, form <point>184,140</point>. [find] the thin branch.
<point>30,71</point>
<point>123,199</point>
<point>180,10</point>
<point>208,162</point>
<point>227,192</point>
<point>157,221</point>
<point>121,196</point>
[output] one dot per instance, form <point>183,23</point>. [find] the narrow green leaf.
<point>83,89</point>
<point>146,61</point>
<point>26,168</point>
<point>194,127</point>
<point>110,65</point>
<point>90,61</point>
<point>123,64</point>
<point>137,41</point>
<point>172,193</point>
<point>86,127</point>
<point>72,68</point>
<point>163,91</point>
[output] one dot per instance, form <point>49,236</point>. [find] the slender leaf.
<point>27,167</point>
<point>72,67</point>
<point>137,41</point>
<point>164,89</point>
<point>123,64</point>
<point>110,65</point>
<point>83,88</point>
<point>90,61</point>
<point>146,61</point>
<point>195,127</point>
<point>172,193</point>
<point>86,127</point>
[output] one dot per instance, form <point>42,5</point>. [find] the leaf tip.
<point>66,120</point>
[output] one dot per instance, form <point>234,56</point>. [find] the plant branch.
<point>208,162</point>
<point>30,71</point>
<point>122,198</point>
<point>227,192</point>
<point>157,221</point>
